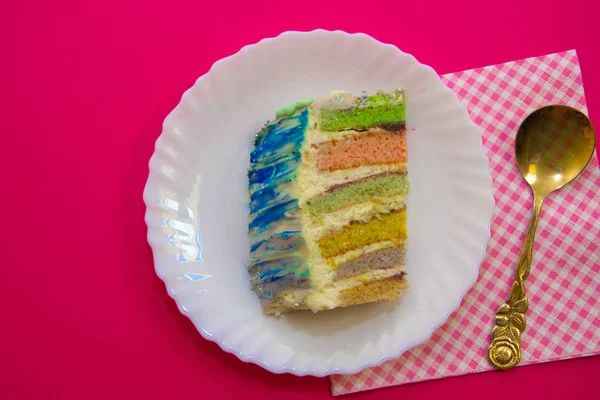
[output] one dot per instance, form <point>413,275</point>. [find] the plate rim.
<point>314,372</point>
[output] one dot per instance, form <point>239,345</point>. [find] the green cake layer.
<point>384,111</point>
<point>378,186</point>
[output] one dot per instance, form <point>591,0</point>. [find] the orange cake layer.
<point>375,147</point>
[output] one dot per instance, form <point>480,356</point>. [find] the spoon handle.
<point>505,350</point>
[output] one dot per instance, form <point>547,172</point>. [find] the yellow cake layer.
<point>391,226</point>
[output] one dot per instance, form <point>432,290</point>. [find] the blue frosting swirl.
<point>277,249</point>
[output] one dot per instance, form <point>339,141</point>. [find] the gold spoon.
<point>554,145</point>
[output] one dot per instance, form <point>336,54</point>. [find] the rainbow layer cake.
<point>328,188</point>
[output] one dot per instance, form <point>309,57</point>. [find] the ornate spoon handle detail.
<point>505,349</point>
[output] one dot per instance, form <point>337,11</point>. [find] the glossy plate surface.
<point>196,198</point>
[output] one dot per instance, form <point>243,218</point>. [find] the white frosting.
<point>336,100</point>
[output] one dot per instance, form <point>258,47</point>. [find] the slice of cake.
<point>328,190</point>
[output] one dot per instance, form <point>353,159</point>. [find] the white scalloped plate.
<point>197,211</point>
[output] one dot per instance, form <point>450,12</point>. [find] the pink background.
<point>83,93</point>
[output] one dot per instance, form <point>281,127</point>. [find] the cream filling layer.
<point>323,224</point>
<point>328,297</point>
<point>312,182</point>
<point>352,254</point>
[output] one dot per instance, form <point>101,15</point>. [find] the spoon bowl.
<point>554,145</point>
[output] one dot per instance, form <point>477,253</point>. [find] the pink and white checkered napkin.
<point>564,313</point>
